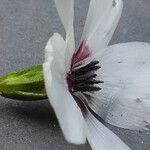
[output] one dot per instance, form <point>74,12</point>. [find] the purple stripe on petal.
<point>82,106</point>
<point>82,53</point>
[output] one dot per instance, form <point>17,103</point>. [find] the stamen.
<point>84,78</point>
<point>86,69</point>
<point>93,82</point>
<point>93,63</point>
<point>86,88</point>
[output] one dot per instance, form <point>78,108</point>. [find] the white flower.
<point>113,82</point>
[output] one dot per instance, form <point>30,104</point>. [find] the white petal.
<point>67,111</point>
<point>102,19</point>
<point>56,50</point>
<point>124,100</point>
<point>66,12</point>
<point>100,137</point>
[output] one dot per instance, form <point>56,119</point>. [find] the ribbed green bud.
<point>27,84</point>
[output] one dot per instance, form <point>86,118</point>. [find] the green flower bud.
<point>27,84</point>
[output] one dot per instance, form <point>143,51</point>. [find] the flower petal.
<point>56,50</point>
<point>100,137</point>
<point>102,19</point>
<point>66,12</point>
<point>124,100</point>
<point>67,111</point>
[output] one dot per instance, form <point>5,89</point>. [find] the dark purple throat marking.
<point>83,79</point>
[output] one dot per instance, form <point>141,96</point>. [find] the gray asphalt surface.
<point>25,27</point>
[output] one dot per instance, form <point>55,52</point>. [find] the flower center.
<point>83,79</point>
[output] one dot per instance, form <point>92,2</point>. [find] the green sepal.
<point>27,84</point>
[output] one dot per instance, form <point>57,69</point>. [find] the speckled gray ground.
<point>25,26</point>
